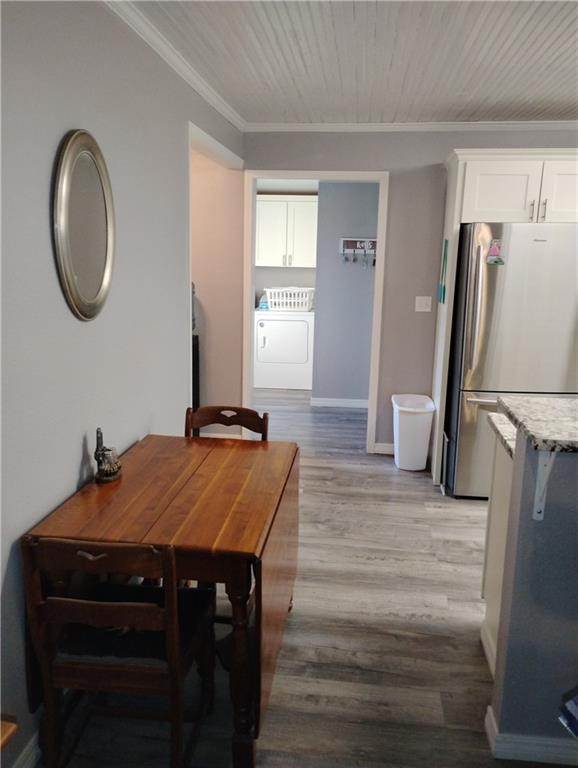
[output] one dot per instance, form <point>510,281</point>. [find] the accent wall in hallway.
<point>344,292</point>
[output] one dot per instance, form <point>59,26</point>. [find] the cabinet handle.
<point>284,260</point>
<point>290,259</point>
<point>532,207</point>
<point>263,341</point>
<point>544,203</point>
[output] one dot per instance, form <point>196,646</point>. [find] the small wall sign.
<point>357,249</point>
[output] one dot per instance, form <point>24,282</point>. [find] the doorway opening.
<point>313,279</point>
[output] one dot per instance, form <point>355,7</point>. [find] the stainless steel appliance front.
<point>521,309</point>
<point>475,445</point>
<point>514,331</point>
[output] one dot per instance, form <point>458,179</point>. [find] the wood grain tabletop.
<point>210,495</point>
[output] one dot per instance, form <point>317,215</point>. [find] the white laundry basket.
<point>412,418</point>
<point>291,299</point>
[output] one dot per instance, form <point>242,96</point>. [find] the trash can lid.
<point>413,403</point>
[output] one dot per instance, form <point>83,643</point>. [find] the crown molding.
<point>138,22</point>
<point>505,125</point>
<point>485,152</point>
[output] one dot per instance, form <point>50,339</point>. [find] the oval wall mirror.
<point>83,221</point>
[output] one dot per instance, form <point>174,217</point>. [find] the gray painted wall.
<point>344,293</point>
<point>537,656</point>
<point>64,66</point>
<point>415,219</point>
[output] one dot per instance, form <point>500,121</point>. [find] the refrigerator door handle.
<point>473,341</point>
<point>489,401</point>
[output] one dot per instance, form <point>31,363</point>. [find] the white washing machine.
<point>283,350</point>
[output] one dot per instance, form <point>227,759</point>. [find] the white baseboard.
<point>336,402</point>
<point>519,746</point>
<point>30,755</point>
<point>385,448</point>
<point>489,647</point>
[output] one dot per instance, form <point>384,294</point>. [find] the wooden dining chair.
<point>94,635</point>
<point>228,416</point>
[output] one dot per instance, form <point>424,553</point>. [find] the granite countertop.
<point>551,423</point>
<point>505,431</point>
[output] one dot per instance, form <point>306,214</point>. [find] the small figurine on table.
<point>108,465</point>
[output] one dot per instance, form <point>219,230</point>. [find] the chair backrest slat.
<point>62,555</point>
<point>96,613</point>
<point>49,562</point>
<point>228,416</point>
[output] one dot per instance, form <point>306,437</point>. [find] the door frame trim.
<point>380,177</point>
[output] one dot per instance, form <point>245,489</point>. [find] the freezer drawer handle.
<point>481,401</point>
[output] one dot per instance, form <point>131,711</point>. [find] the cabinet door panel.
<point>271,233</point>
<point>302,228</point>
<point>502,190</point>
<point>559,195</point>
<point>495,549</point>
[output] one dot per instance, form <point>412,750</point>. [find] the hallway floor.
<point>382,663</point>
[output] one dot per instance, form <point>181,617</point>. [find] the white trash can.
<point>412,418</point>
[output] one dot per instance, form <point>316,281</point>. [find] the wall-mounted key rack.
<point>357,250</point>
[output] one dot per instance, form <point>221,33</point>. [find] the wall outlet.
<point>423,303</point>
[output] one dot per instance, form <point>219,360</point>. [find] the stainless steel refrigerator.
<point>514,330</point>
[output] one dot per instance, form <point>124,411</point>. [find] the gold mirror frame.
<point>74,144</point>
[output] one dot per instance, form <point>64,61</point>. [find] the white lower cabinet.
<point>497,529</point>
<point>283,357</point>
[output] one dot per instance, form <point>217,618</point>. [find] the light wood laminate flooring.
<point>382,663</point>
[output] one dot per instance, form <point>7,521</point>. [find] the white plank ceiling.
<point>380,62</point>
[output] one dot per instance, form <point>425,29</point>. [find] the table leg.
<point>241,674</point>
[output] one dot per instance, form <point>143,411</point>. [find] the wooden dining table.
<point>230,508</point>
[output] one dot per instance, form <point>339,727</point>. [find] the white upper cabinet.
<point>271,233</point>
<point>520,189</point>
<point>502,190</point>
<point>286,231</point>
<point>302,233</point>
<point>559,194</point>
